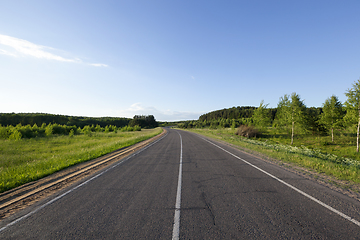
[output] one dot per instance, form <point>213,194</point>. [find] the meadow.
<point>28,159</point>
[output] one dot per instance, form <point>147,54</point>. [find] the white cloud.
<point>98,65</point>
<point>24,47</point>
<point>160,115</point>
<point>4,52</point>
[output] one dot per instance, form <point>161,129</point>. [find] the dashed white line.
<point>176,227</point>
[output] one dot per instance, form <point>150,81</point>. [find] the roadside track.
<point>18,198</point>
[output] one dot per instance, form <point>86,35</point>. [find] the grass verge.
<point>339,167</point>
<point>28,160</point>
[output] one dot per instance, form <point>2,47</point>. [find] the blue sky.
<point>173,59</point>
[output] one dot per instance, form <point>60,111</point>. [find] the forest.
<point>291,117</point>
<point>13,119</point>
<point>31,125</point>
<point>237,116</point>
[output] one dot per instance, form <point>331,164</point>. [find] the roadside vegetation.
<point>30,152</point>
<point>29,159</point>
<point>324,139</point>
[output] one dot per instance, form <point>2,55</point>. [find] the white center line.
<point>176,228</point>
<point>292,187</point>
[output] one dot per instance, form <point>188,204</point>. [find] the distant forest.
<point>13,119</point>
<point>232,113</point>
<point>245,112</point>
<point>236,116</point>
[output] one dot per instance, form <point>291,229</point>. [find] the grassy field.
<point>338,160</point>
<point>344,144</point>
<point>27,160</point>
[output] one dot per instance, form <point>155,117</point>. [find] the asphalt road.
<point>223,193</point>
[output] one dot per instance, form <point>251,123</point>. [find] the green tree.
<point>71,133</point>
<point>15,135</point>
<point>4,132</point>
<point>291,113</point>
<point>98,128</point>
<point>352,105</point>
<point>87,130</point>
<point>332,114</point>
<point>261,117</point>
<point>49,130</point>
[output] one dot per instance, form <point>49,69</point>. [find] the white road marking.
<point>290,186</point>
<point>176,228</point>
<point>78,186</point>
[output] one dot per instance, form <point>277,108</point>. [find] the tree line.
<point>291,115</point>
<point>13,119</point>
<point>30,125</point>
<point>46,130</point>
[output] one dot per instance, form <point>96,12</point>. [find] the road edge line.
<point>80,185</point>
<point>290,186</point>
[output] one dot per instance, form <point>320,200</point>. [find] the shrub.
<point>247,131</point>
<point>15,135</point>
<point>98,128</point>
<point>27,131</point>
<point>49,130</point>
<point>87,130</point>
<point>137,128</point>
<point>4,132</point>
<point>71,133</point>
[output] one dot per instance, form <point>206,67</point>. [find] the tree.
<point>332,114</point>
<point>352,105</point>
<point>144,121</point>
<point>261,116</point>
<point>291,113</point>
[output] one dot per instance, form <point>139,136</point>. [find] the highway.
<point>185,186</point>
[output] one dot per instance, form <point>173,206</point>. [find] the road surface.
<point>187,187</point>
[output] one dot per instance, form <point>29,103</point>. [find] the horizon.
<point>140,114</point>
<point>175,60</point>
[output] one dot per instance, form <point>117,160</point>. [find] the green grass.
<point>27,160</point>
<point>318,159</point>
<point>344,144</point>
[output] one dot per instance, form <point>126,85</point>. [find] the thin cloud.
<point>23,47</point>
<point>98,65</point>
<point>4,52</point>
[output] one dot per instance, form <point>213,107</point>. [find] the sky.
<point>173,59</point>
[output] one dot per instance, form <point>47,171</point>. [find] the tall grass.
<point>27,160</point>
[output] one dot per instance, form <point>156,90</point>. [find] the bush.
<point>137,128</point>
<point>87,130</point>
<point>98,128</point>
<point>4,134</point>
<point>247,131</point>
<point>15,135</point>
<point>71,133</point>
<point>49,130</point>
